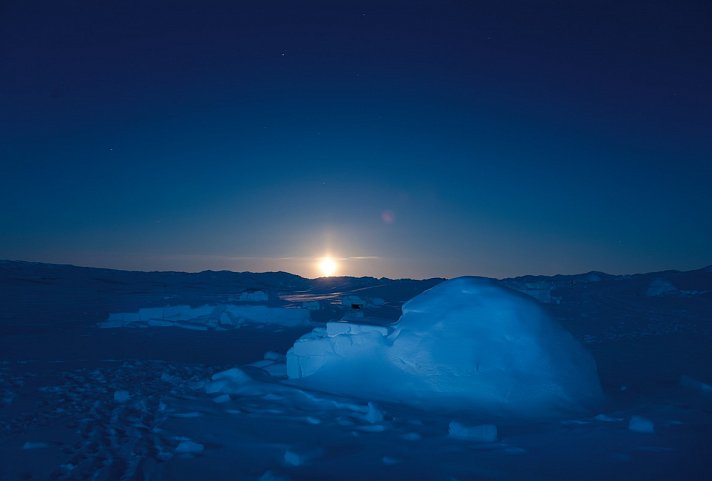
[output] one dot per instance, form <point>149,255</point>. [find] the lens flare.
<point>327,266</point>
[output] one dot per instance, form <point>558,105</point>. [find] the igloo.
<point>465,344</point>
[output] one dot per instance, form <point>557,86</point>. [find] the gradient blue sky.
<point>409,139</point>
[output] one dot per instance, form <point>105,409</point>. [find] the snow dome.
<point>467,343</point>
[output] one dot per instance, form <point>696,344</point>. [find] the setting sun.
<point>327,266</point>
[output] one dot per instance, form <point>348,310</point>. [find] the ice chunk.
<point>376,302</point>
<point>372,428</point>
<point>185,313</point>
<point>189,447</point>
<point>268,315</point>
<point>277,370</point>
<point>352,302</point>
<point>337,328</point>
<point>293,457</point>
<point>390,460</point>
<point>148,313</point>
<point>484,433</point>
<point>252,295</point>
<point>262,363</point>
<point>374,415</point>
<point>271,476</point>
<point>121,396</point>
<point>230,381</point>
<point>34,445</point>
<point>311,305</point>
<point>694,384</point>
<point>209,316</point>
<point>160,323</point>
<point>606,418</point>
<point>639,424</point>
<point>223,398</point>
<point>467,343</point>
<point>317,350</point>
<point>275,356</point>
<point>187,415</point>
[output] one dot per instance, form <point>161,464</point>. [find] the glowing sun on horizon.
<point>327,266</point>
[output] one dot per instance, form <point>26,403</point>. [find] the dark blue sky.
<point>405,138</point>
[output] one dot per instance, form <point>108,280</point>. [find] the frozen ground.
<point>165,402</point>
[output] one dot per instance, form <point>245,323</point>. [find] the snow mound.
<point>467,343</point>
<point>218,317</point>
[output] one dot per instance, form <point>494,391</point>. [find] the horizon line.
<point>20,261</point>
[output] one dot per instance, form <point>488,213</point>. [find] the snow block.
<point>467,343</point>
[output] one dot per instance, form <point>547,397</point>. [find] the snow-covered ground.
<point>81,402</point>
<point>202,318</point>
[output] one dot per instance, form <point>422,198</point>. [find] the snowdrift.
<point>467,343</point>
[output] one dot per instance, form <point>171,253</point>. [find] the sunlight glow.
<point>327,266</point>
